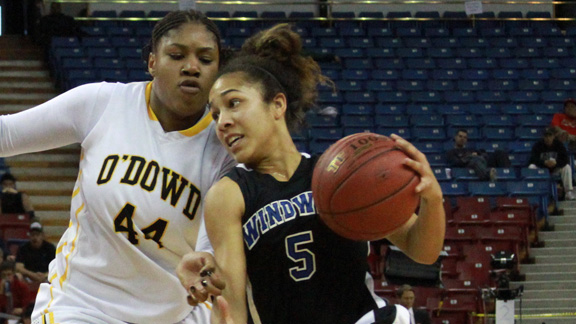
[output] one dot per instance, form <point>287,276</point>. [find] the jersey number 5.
<point>296,251</point>
<point>124,223</point>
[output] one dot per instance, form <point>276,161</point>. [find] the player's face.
<point>184,67</point>
<point>245,123</point>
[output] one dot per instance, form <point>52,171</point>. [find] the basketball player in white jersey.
<point>149,155</point>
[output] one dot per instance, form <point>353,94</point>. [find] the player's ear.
<point>279,104</point>
<point>152,64</point>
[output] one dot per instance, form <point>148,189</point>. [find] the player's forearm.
<point>426,236</point>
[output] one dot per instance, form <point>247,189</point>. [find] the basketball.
<point>362,189</point>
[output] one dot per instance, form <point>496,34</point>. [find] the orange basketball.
<point>362,189</point>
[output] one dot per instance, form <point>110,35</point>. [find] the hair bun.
<point>279,43</point>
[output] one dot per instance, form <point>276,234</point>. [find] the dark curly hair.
<point>273,59</point>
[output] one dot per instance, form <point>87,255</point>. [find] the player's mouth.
<point>232,140</point>
<point>189,86</point>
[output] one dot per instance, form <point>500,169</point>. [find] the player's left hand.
<point>197,274</point>
<point>428,188</point>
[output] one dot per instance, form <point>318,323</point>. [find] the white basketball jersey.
<point>136,206</point>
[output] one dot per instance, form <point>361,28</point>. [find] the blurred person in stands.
<point>34,256</point>
<point>12,200</point>
<point>406,297</point>
<point>483,163</point>
<point>14,291</point>
<point>550,153</point>
<point>56,24</point>
<point>564,124</point>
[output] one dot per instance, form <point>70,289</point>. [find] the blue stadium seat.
<point>426,97</point>
<point>114,75</point>
<point>420,63</point>
<point>516,109</point>
<point>410,85</point>
<point>437,159</point>
<point>356,109</point>
<point>486,188</point>
<point>448,42</point>
<point>427,120</point>
<point>502,85</point>
<point>360,42</point>
<point>440,52</point>
<point>454,188</point>
<point>119,31</point>
<point>528,84</point>
<point>430,147</point>
<point>357,63</point>
<point>108,63</point>
<point>101,52</point>
<point>527,133</point>
<point>404,132</point>
<point>385,74</point>
<point>514,63</point>
<point>88,42</point>
<point>498,52</point>
<point>359,97</point>
<point>506,74</point>
<point>388,53</point>
<point>433,32</point>
<point>421,42</point>
<point>405,52</point>
<point>349,85</point>
<point>524,96</point>
<point>414,74</point>
<point>459,97</point>
<point>380,85</point>
<point>421,109</point>
<point>391,97</point>
<point>130,52</point>
<point>498,120</point>
<point>390,108</point>
<point>463,120</point>
<point>453,109</point>
<point>321,121</point>
<point>482,63</point>
<point>452,63</point>
<point>440,85</point>
<point>497,133</point>
<point>350,53</point>
<point>474,41</point>
<point>445,74</point>
<point>471,85</point>
<point>557,52</point>
<point>357,121</point>
<point>464,174</point>
<point>520,146</point>
<point>392,121</point>
<point>326,133</point>
<point>428,133</point>
<point>545,63</point>
<point>355,74</point>
<point>139,75</point>
<point>432,16</point>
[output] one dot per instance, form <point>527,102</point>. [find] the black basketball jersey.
<point>299,270</point>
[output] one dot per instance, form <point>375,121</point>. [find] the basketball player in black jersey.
<point>280,263</point>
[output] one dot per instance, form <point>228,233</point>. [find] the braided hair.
<point>174,20</point>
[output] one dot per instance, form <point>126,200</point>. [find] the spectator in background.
<point>34,256</point>
<point>13,290</point>
<point>56,24</point>
<point>482,162</point>
<point>551,153</point>
<point>406,297</point>
<point>13,201</point>
<point>564,124</point>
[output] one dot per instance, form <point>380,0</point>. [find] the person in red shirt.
<point>565,123</point>
<point>15,295</point>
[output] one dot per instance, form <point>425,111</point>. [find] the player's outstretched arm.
<point>223,210</point>
<point>422,237</point>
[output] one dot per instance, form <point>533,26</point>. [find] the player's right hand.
<point>198,275</point>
